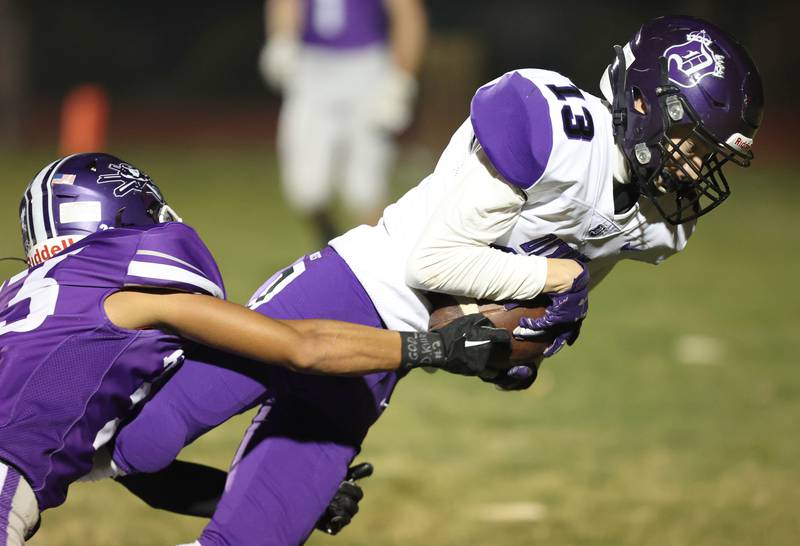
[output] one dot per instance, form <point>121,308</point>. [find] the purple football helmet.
<point>697,85</point>
<point>81,194</point>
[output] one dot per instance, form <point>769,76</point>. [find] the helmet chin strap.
<point>665,88</point>
<point>619,112</point>
<point>614,93</point>
<point>13,259</point>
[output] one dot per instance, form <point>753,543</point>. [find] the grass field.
<point>674,421</point>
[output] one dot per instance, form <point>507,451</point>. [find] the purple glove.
<point>563,316</point>
<point>516,379</point>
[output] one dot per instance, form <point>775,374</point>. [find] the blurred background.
<point>673,421</point>
<point>183,73</point>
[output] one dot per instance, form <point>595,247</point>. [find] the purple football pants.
<point>307,430</point>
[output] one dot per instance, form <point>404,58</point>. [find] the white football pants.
<point>327,134</point>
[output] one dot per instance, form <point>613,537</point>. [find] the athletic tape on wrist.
<point>421,349</point>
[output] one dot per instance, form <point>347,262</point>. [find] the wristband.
<point>421,349</point>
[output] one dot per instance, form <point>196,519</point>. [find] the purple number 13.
<point>576,126</point>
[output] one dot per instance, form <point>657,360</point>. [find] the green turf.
<point>619,442</point>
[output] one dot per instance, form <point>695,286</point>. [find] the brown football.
<point>447,308</point>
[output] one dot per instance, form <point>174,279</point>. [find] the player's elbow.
<point>305,347</point>
<point>305,357</point>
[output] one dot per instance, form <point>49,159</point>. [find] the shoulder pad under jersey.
<point>511,120</point>
<point>173,256</point>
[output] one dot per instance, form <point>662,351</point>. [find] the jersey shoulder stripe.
<point>171,274</point>
<point>172,255</point>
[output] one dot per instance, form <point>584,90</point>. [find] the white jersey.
<point>553,142</point>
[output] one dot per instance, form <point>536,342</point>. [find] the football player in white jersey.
<point>544,184</point>
<point>346,69</point>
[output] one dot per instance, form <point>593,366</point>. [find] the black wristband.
<point>421,349</point>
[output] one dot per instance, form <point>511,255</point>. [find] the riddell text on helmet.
<point>48,250</point>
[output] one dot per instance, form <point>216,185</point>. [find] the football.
<point>446,308</point>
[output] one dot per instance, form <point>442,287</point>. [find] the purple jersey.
<point>67,374</point>
<point>344,23</point>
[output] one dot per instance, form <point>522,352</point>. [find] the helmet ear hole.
<point>639,101</point>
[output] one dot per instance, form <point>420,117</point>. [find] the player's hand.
<point>563,317</point>
<point>475,347</point>
<point>277,60</point>
<point>344,505</point>
<point>516,379</point>
<point>393,103</point>
<point>469,345</point>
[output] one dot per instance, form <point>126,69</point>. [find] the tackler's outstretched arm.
<point>471,346</point>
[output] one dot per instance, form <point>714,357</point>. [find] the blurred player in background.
<point>116,290</point>
<point>346,69</point>
<point>541,185</point>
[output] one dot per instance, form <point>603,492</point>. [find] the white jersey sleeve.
<point>553,142</point>
<point>453,254</point>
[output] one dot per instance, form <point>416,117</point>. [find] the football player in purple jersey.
<point>116,290</point>
<point>347,73</point>
<point>543,188</point>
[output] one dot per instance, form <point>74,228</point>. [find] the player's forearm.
<point>282,18</point>
<point>408,33</point>
<point>488,273</point>
<point>326,346</point>
<point>315,347</point>
<point>453,253</point>
<point>481,273</point>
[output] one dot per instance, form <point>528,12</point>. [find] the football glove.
<point>344,505</point>
<point>469,345</point>
<point>562,317</point>
<point>393,103</point>
<point>516,379</point>
<point>276,61</point>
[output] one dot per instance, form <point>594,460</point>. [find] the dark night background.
<point>152,54</point>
